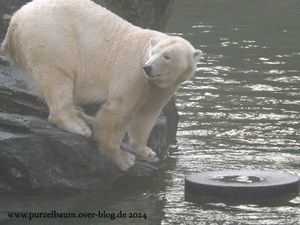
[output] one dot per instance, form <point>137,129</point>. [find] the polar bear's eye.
<point>167,57</point>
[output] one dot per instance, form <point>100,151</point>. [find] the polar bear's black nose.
<point>147,69</point>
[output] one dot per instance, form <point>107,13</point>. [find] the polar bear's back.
<point>59,30</point>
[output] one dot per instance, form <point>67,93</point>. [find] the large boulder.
<point>34,154</point>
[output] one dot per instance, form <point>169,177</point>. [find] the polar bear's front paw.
<point>124,161</point>
<point>148,154</point>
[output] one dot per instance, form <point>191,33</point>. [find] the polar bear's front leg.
<point>139,130</point>
<point>109,130</point>
<point>144,119</point>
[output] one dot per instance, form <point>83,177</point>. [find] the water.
<point>241,111</point>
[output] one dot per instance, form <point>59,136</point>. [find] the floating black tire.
<point>242,184</point>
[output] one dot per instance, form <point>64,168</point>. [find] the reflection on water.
<point>242,110</point>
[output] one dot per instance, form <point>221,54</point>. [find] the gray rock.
<point>36,155</point>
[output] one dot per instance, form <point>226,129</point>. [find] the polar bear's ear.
<point>154,41</point>
<point>197,55</point>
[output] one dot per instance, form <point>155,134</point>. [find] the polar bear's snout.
<point>147,69</point>
<point>154,68</point>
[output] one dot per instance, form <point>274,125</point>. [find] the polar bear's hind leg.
<point>57,90</point>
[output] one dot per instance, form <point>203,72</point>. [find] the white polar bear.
<point>75,51</point>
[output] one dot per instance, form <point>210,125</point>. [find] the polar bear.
<point>75,52</point>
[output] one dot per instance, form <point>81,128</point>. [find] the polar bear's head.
<point>170,61</point>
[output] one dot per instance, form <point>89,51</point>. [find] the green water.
<point>241,111</point>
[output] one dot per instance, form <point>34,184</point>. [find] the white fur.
<point>76,51</point>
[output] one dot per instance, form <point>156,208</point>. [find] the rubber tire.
<point>271,184</point>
